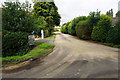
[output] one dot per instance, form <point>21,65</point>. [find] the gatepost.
<point>42,34</point>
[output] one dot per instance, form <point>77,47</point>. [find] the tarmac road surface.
<point>73,58</point>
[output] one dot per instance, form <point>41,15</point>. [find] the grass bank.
<point>41,50</point>
<point>112,45</point>
<point>51,37</point>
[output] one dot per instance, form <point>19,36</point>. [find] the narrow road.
<point>74,58</point>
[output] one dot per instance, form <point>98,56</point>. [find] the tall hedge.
<point>83,30</point>
<point>14,43</point>
<point>113,35</point>
<point>72,25</point>
<point>64,28</point>
<point>99,32</point>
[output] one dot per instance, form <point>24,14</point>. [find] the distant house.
<point>114,20</point>
<point>57,28</point>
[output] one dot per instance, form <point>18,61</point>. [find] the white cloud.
<point>70,9</point>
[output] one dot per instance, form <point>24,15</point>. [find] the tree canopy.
<point>48,10</point>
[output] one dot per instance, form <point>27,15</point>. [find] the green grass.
<point>112,45</point>
<point>51,37</point>
<point>41,49</point>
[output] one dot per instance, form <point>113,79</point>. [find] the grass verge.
<point>112,45</point>
<point>41,50</point>
<point>51,37</point>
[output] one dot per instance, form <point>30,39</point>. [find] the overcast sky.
<point>70,9</point>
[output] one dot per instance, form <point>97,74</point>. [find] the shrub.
<point>65,28</point>
<point>100,31</point>
<point>113,35</point>
<point>46,33</point>
<point>98,34</point>
<point>22,20</point>
<point>61,29</point>
<point>83,30</point>
<point>14,43</point>
<point>93,18</point>
<point>72,25</point>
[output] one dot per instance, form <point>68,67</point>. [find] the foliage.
<point>118,14</point>
<point>72,25</point>
<point>110,13</point>
<point>117,24</point>
<point>113,35</point>
<point>51,37</point>
<point>83,30</point>
<point>61,29</point>
<point>99,32</point>
<point>65,28</point>
<point>49,11</point>
<point>46,33</point>
<point>112,45</point>
<point>93,18</point>
<point>39,24</point>
<point>41,49</point>
<point>14,43</point>
<point>20,21</point>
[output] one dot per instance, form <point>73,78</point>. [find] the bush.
<point>99,32</point>
<point>61,29</point>
<point>20,21</point>
<point>93,18</point>
<point>72,25</point>
<point>46,33</point>
<point>83,29</point>
<point>65,28</point>
<point>113,35</point>
<point>14,43</point>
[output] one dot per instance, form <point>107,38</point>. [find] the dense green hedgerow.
<point>14,43</point>
<point>83,30</point>
<point>72,25</point>
<point>64,28</point>
<point>46,33</point>
<point>113,35</point>
<point>99,32</point>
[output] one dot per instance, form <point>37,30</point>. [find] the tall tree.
<point>110,13</point>
<point>93,18</point>
<point>49,11</point>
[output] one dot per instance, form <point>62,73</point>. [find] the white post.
<point>42,34</point>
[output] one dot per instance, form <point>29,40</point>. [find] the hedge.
<point>113,35</point>
<point>99,32</point>
<point>14,43</point>
<point>72,25</point>
<point>83,30</point>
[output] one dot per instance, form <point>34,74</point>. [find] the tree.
<point>49,11</point>
<point>118,14</point>
<point>100,31</point>
<point>16,17</point>
<point>93,18</point>
<point>83,29</point>
<point>72,25</point>
<point>110,13</point>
